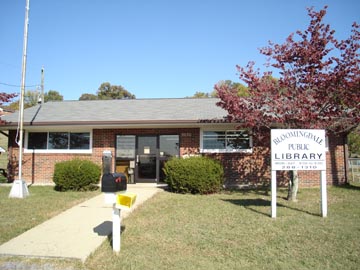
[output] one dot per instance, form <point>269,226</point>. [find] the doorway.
<point>145,155</point>
<point>146,159</point>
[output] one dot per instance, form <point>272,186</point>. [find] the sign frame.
<point>298,149</point>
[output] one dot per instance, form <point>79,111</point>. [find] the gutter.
<point>105,123</point>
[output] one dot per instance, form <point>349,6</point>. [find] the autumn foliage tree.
<point>318,85</point>
<point>5,98</point>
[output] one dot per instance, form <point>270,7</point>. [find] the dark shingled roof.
<point>122,111</point>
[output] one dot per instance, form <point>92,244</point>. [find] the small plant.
<point>194,175</point>
<point>76,175</point>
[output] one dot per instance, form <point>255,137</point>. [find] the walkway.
<point>75,233</point>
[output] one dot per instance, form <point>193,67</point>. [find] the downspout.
<point>37,112</point>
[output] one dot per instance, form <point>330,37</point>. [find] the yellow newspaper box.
<point>126,199</point>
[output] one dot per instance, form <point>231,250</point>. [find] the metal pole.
<point>22,93</point>
<point>19,188</point>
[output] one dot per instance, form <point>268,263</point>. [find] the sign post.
<point>323,194</point>
<point>273,194</point>
<point>116,228</point>
<point>120,201</point>
<point>298,149</point>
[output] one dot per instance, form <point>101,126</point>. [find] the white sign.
<point>298,149</point>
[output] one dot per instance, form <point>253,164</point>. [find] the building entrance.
<point>142,157</point>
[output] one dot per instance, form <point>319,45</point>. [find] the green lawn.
<point>19,215</point>
<point>233,230</point>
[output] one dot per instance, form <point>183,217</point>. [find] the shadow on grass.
<point>351,186</point>
<point>299,210</point>
<point>250,204</point>
<point>249,191</point>
<point>253,204</point>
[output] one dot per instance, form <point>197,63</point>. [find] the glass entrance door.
<point>147,159</point>
<point>151,154</point>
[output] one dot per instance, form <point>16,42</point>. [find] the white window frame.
<point>202,150</point>
<point>58,151</point>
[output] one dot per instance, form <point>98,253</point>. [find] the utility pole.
<point>42,85</point>
<point>19,188</point>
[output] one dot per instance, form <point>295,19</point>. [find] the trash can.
<point>106,162</point>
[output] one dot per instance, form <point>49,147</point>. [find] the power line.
<point>14,85</point>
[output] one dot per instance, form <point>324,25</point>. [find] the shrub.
<point>194,175</point>
<point>76,175</point>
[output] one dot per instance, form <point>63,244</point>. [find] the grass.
<point>232,230</point>
<point>19,215</point>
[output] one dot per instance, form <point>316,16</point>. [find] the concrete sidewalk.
<point>75,233</point>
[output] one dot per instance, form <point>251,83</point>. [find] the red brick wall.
<point>335,163</point>
<point>244,169</point>
<point>38,168</point>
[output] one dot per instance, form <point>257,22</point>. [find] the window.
<point>169,146</point>
<point>37,140</point>
<point>80,140</point>
<point>125,146</point>
<point>59,141</point>
<point>226,141</point>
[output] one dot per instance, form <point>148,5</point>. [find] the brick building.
<point>142,134</point>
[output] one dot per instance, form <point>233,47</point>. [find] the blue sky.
<point>154,49</point>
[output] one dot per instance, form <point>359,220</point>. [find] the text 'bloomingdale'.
<point>298,134</point>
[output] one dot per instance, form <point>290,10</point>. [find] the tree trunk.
<point>293,186</point>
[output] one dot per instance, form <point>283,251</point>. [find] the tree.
<point>200,95</point>
<point>14,105</point>
<point>108,91</point>
<point>5,97</point>
<point>318,85</point>
<point>31,98</point>
<point>242,90</point>
<point>87,96</point>
<point>53,95</point>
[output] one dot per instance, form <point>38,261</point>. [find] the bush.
<point>76,175</point>
<point>194,175</point>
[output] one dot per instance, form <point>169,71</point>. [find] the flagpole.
<point>19,188</point>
